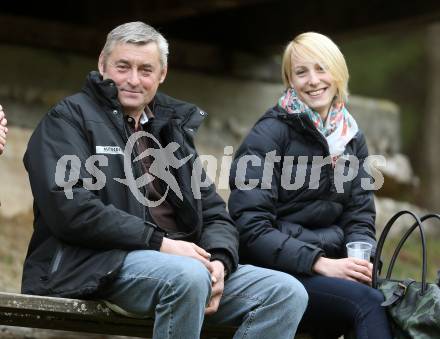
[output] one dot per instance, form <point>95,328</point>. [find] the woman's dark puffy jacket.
<point>288,228</point>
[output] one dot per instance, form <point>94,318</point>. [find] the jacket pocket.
<point>55,264</point>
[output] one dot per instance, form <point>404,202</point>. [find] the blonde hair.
<point>318,48</point>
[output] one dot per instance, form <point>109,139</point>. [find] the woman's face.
<point>314,85</point>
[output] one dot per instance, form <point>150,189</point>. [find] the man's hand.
<point>347,268</point>
<point>218,284</point>
<point>3,130</point>
<point>187,249</point>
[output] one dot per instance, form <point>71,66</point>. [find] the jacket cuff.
<point>225,259</point>
<point>155,241</point>
<point>318,253</point>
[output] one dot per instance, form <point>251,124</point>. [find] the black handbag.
<point>414,307</point>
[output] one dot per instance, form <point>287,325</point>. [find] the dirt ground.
<point>14,238</point>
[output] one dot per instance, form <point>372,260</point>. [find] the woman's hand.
<point>347,268</point>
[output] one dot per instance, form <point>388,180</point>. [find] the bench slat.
<point>80,315</point>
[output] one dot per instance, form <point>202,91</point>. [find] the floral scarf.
<point>338,129</point>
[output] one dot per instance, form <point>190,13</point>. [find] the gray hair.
<point>137,33</point>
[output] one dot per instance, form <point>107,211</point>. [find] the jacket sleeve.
<point>82,219</point>
<point>254,210</point>
<point>330,239</point>
<point>219,234</point>
<point>358,217</point>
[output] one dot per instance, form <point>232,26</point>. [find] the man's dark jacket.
<point>289,229</point>
<point>79,244</point>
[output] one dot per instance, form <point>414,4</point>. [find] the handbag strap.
<point>402,241</point>
<point>417,224</point>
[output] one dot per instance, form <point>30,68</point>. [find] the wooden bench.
<point>80,316</point>
<point>84,316</point>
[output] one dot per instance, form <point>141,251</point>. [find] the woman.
<point>299,218</point>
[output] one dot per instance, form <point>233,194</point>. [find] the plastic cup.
<point>359,249</point>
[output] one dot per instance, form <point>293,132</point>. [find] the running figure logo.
<point>164,158</point>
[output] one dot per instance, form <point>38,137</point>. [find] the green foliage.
<point>409,262</point>
<point>391,66</point>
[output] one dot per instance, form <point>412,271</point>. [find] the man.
<point>93,238</point>
<point>3,130</point>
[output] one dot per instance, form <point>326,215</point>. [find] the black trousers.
<point>338,306</point>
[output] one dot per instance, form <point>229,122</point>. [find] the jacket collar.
<point>299,122</point>
<point>105,91</point>
<point>184,113</point>
<point>163,106</point>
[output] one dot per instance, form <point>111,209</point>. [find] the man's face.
<point>137,72</point>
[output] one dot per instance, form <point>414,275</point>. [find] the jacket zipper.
<point>315,133</point>
<point>137,172</point>
<point>177,202</point>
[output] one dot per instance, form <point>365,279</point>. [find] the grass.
<point>409,262</point>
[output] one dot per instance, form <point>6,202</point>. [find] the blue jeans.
<point>339,306</point>
<point>175,290</point>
